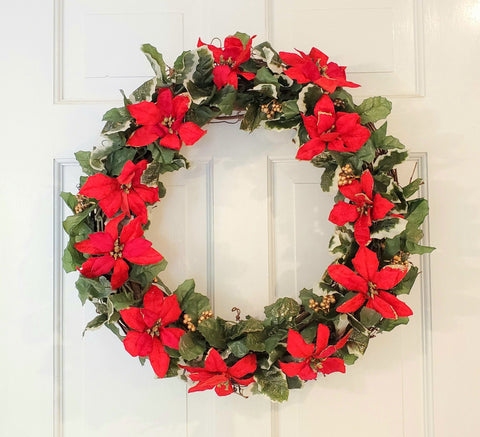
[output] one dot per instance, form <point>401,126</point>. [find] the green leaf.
<point>308,98</point>
<point>389,324</point>
<point>369,317</point>
<point>117,159</point>
<point>266,53</point>
<point>224,99</point>
<point>242,37</point>
<point>251,119</point>
<point>69,199</point>
<point>388,227</point>
<point>184,66</point>
<point>326,180</point>
<point>365,154</point>
<point>190,302</point>
<point>273,339</point>
<point>145,274</point>
<point>201,114</point>
<point>156,61</point>
<point>96,323</point>
<point>410,189</point>
<point>144,92</point>
<point>309,333</point>
<point>213,330</point>
<point>255,341</point>
<point>71,223</point>
<point>272,383</point>
<point>290,109</point>
<point>238,347</point>
<point>203,74</point>
<point>72,258</point>
<point>341,242</point>
<point>417,212</point>
<point>378,136</point>
<point>117,119</point>
<point>392,143</point>
<point>407,282</point>
<point>244,327</point>
<point>266,89</point>
<point>417,248</point>
<point>374,109</point>
<point>151,174</point>
<point>294,382</point>
<point>341,93</point>
<point>264,76</point>
<point>282,310</point>
<point>386,162</point>
<point>191,346</point>
<point>93,287</point>
<point>357,343</point>
<point>120,301</point>
<point>83,159</point>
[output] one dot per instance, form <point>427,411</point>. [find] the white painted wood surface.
<point>247,222</point>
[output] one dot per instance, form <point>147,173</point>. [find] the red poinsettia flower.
<point>164,120</point>
<point>340,131</point>
<point>316,357</point>
<point>124,192</point>
<point>112,251</point>
<point>315,68</point>
<point>228,61</point>
<point>372,285</point>
<point>150,332</point>
<point>363,210</point>
<point>216,374</point>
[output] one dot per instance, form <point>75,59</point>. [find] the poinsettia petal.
<point>366,183</point>
<point>290,58</point>
<point>246,75</point>
<point>362,229</point>
<point>220,76</point>
<point>214,362</point>
<point>127,174</point>
<point>327,83</point>
<point>139,251</point>
<point>170,310</point>
<point>147,194</point>
<point>190,133</point>
<point>138,344</point>
<point>159,359</point>
<point>388,277</point>
<point>97,266</point>
<point>209,383</point>
<point>342,213</point>
<point>180,105</point>
<point>324,107</point>
<point>317,55</point>
<point>323,334</point>
<point>380,207</point>
<point>293,369</point>
<point>145,135</point>
<point>346,277</point>
<point>120,273</point>
<point>149,317</point>
<point>307,373</point>
<point>165,103</point>
<point>310,149</point>
<point>401,308</point>
<point>382,307</point>
<point>224,389</point>
<point>98,186</point>
<point>145,113</point>
<point>171,141</point>
<point>333,348</point>
<point>351,191</point>
<point>111,203</point>
<point>244,381</point>
<point>353,304</point>
<point>98,243</point>
<point>366,263</point>
<point>310,124</point>
<point>217,51</point>
<point>111,227</point>
<point>243,367</point>
<point>137,206</point>
<point>133,317</point>
<point>131,230</point>
<point>171,336</point>
<point>297,346</point>
<point>297,74</point>
<point>330,365</point>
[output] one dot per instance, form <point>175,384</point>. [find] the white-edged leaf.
<point>388,227</point>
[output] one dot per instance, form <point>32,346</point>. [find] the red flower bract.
<point>316,357</point>
<point>371,285</point>
<point>339,131</point>
<point>363,210</point>
<point>228,61</point>
<point>150,332</point>
<point>112,251</point>
<point>315,68</point>
<point>216,374</point>
<point>164,120</point>
<point>124,192</point>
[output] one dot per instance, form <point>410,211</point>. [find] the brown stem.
<point>301,317</point>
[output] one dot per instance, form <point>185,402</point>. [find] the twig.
<point>413,172</point>
<point>237,317</point>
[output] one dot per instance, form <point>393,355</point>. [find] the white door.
<point>248,222</point>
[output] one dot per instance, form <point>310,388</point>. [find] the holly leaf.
<point>93,287</point>
<point>96,323</point>
<point>144,274</point>
<point>407,282</point>
<point>410,189</point>
<point>282,310</point>
<point>238,347</point>
<point>144,92</point>
<point>156,61</point>
<point>121,301</point>
<point>369,317</point>
<point>272,383</point>
<point>190,302</point>
<point>191,346</point>
<point>308,98</point>
<point>224,99</point>
<point>388,227</point>
<point>386,162</point>
<point>117,159</point>
<point>69,199</point>
<point>83,159</point>
<point>71,223</point>
<point>374,109</point>
<point>389,324</point>
<point>418,248</point>
<point>213,330</point>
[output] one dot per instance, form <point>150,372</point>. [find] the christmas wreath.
<point>377,220</point>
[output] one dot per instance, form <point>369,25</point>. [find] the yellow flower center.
<point>117,249</point>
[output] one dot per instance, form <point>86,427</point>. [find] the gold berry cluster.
<point>271,108</point>
<point>324,305</point>
<point>205,315</point>
<point>339,103</point>
<point>82,203</point>
<point>346,176</point>
<point>401,258</point>
<point>187,320</point>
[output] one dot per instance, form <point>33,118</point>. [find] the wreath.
<point>377,220</point>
